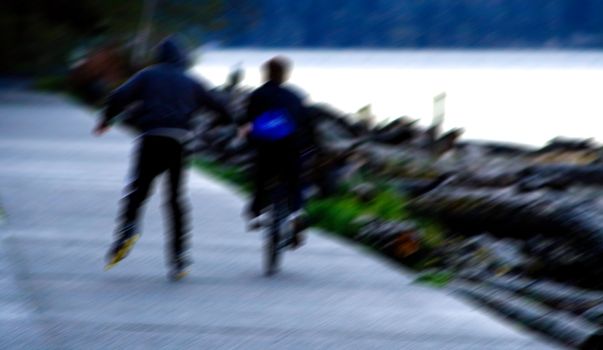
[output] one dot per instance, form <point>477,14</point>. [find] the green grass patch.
<point>335,214</point>
<point>388,205</point>
<point>435,278</point>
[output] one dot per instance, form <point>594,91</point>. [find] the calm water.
<point>525,97</point>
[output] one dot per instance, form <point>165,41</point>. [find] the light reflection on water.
<point>524,97</point>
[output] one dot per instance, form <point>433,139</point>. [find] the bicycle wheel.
<point>272,242</point>
<point>271,254</point>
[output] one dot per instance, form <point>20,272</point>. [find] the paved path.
<point>59,187</point>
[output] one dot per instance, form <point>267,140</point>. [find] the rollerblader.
<point>163,98</point>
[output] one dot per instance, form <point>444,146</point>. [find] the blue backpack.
<point>273,125</point>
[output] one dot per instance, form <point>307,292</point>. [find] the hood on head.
<point>169,51</point>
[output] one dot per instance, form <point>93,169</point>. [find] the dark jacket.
<point>163,95</point>
<point>274,96</point>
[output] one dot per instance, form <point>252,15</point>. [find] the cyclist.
<point>279,129</point>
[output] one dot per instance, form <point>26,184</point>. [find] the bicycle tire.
<point>273,249</point>
<point>271,253</point>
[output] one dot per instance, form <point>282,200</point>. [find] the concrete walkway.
<point>59,187</point>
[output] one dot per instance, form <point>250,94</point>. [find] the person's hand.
<point>100,129</point>
<point>244,130</point>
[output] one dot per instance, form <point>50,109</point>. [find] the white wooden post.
<point>439,110</point>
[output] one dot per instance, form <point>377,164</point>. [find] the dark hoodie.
<point>164,96</point>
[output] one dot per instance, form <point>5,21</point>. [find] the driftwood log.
<point>562,326</point>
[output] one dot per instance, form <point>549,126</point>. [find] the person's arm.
<point>118,100</point>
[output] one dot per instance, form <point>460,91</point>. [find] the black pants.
<point>276,161</point>
<point>156,155</point>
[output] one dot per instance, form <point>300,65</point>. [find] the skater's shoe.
<point>179,269</point>
<point>122,246</point>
